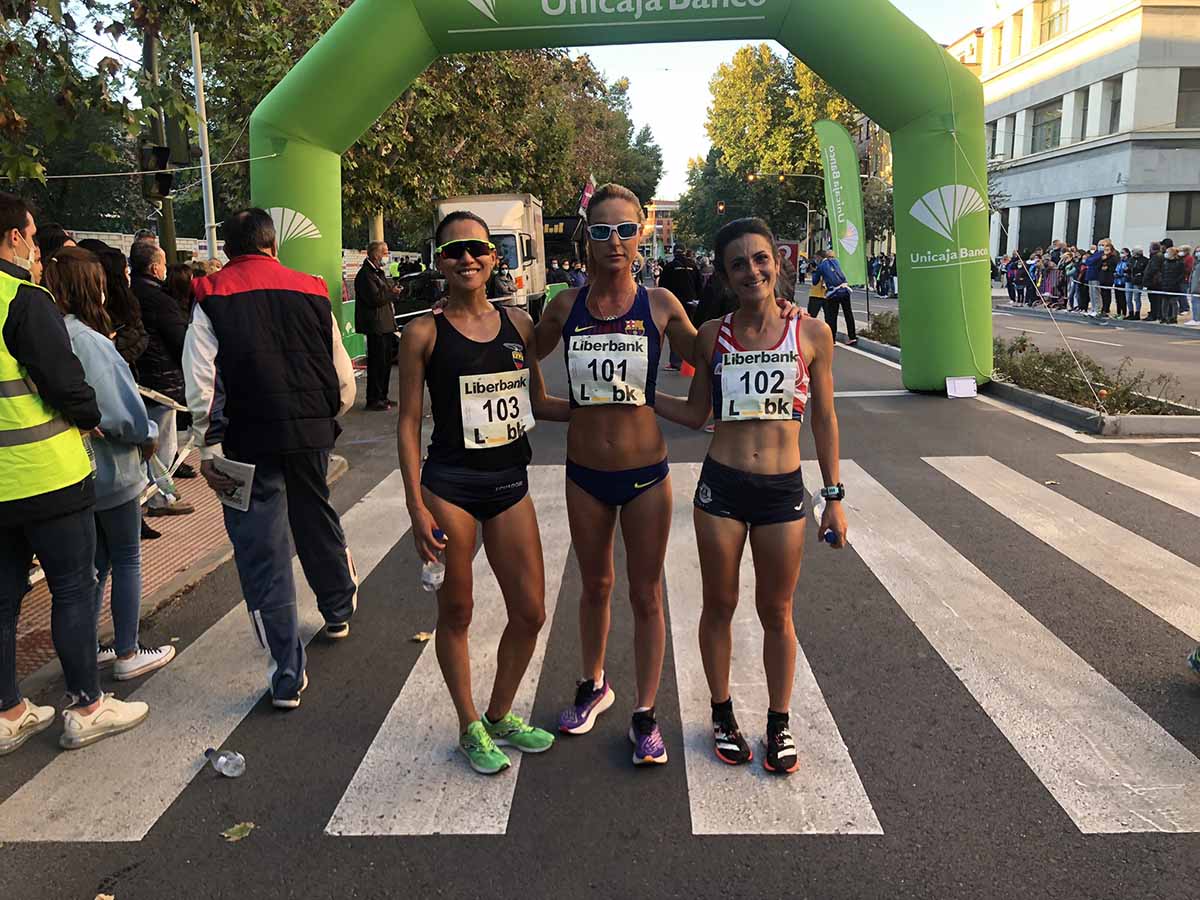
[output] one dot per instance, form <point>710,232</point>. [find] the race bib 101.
<point>496,409</point>
<point>758,384</point>
<point>608,368</point>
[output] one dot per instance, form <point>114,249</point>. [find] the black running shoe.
<point>780,746</point>
<point>729,744</point>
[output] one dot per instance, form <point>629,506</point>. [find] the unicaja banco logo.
<point>487,7</point>
<point>291,225</point>
<point>849,238</point>
<point>942,208</point>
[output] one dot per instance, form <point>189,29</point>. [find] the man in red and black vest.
<point>267,377</point>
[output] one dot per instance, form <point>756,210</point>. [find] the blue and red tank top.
<point>759,385</point>
<point>612,361</point>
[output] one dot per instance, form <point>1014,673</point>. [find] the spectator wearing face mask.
<point>1174,283</point>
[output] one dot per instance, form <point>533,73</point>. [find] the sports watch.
<point>838,492</point>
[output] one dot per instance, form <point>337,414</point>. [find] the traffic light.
<point>157,179</point>
<point>720,207</point>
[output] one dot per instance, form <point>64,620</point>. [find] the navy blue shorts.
<point>483,494</point>
<point>617,488</point>
<point>750,498</point>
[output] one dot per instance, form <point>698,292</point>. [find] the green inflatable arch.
<point>882,62</point>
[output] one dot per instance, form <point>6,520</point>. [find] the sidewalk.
<point>185,541</point>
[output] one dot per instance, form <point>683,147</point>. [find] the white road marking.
<point>413,780</point>
<point>871,356</point>
<point>1029,330</point>
<point>825,796</point>
<point>851,395</point>
<point>1109,766</point>
<point>1071,337</point>
<point>1157,481</point>
<point>118,789</point>
<point>996,312</point>
<point>1157,580</point>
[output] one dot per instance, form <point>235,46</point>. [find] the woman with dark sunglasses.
<point>612,332</point>
<point>485,388</point>
<point>757,377</point>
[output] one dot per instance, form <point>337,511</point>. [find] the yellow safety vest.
<point>39,451</point>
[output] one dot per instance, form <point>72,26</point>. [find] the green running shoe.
<point>481,751</point>
<point>513,731</point>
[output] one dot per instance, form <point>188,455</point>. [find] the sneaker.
<point>290,702</point>
<point>481,751</point>
<point>336,631</point>
<point>648,746</point>
<point>513,731</point>
<point>106,655</point>
<point>178,508</point>
<point>780,747</point>
<point>1193,662</point>
<point>186,471</point>
<point>729,744</point>
<point>579,717</point>
<point>33,720</point>
<point>143,662</point>
<point>111,716</point>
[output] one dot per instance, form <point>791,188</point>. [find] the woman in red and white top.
<point>763,374</point>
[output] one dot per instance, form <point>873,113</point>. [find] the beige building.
<point>1092,110</point>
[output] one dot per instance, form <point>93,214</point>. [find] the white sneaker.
<point>106,655</point>
<point>143,662</point>
<point>33,720</point>
<point>290,702</point>
<point>111,717</point>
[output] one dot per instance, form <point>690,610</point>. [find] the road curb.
<point>875,348</point>
<point>1088,420</point>
<point>37,683</point>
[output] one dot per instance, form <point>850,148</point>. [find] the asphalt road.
<point>1172,351</point>
<point>993,705</point>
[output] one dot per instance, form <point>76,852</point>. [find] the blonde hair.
<point>613,191</point>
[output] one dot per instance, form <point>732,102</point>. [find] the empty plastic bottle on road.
<point>819,511</point>
<point>229,763</point>
<point>434,573</point>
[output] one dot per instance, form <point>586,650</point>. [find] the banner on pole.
<point>843,199</point>
<point>585,197</point>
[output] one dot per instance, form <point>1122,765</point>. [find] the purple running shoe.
<point>648,746</point>
<point>590,701</point>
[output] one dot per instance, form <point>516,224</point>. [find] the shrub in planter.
<point>885,328</point>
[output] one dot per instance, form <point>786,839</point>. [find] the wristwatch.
<point>837,492</point>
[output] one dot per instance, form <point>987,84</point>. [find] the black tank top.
<point>480,397</point>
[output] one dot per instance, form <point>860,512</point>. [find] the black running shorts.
<point>750,498</point>
<point>483,494</point>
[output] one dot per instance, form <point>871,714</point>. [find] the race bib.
<point>758,384</point>
<point>609,368</point>
<point>495,408</point>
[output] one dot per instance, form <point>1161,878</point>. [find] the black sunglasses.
<point>625,231</point>
<point>457,249</point>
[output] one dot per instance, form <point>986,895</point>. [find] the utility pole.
<point>376,226</point>
<point>166,239</point>
<point>210,211</point>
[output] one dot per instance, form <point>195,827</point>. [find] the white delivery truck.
<point>515,221</point>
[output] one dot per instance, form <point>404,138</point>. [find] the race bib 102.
<point>758,384</point>
<point>608,368</point>
<point>496,409</point>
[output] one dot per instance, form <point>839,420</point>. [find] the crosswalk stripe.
<point>1159,482</point>
<point>412,780</point>
<point>826,795</point>
<point>117,790</point>
<point>1108,765</point>
<point>1156,579</point>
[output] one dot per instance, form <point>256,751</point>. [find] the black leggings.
<point>842,300</point>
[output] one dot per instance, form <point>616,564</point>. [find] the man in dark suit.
<point>375,318</point>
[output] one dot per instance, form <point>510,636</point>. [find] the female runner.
<point>756,378</point>
<point>612,331</point>
<point>485,388</point>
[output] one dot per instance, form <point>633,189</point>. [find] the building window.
<point>1102,222</point>
<point>1113,87</point>
<point>1037,223</point>
<point>997,47</point>
<point>1183,211</point>
<point>990,139</point>
<point>1047,126</point>
<point>1053,20</point>
<point>1084,105</point>
<point>1187,113</point>
<point>1016,35</point>
<point>1010,137</point>
<point>1072,234</point>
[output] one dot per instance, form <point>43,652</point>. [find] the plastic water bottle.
<point>819,511</point>
<point>434,573</point>
<point>229,763</point>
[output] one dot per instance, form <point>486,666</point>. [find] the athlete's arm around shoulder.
<point>550,325</point>
<point>696,409</point>
<point>815,334</point>
<point>675,322</point>
<point>545,407</point>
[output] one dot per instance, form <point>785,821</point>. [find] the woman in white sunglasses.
<point>612,331</point>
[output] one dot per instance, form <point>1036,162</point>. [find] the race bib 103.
<point>758,384</point>
<point>609,368</point>
<point>496,409</point>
